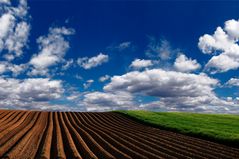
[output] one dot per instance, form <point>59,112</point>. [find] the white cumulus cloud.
<point>223,45</point>
<point>52,49</point>
<point>23,93</point>
<point>185,64</point>
<point>175,91</point>
<point>232,28</point>
<point>14,29</point>
<point>88,83</point>
<point>88,63</point>
<point>102,101</point>
<point>233,82</point>
<point>6,67</point>
<point>104,78</point>
<point>140,63</point>
<point>5,1</point>
<point>161,83</point>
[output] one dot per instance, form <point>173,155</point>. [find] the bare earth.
<point>32,134</point>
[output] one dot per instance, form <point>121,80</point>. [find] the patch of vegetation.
<point>215,127</point>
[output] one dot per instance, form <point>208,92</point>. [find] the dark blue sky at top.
<point>99,24</point>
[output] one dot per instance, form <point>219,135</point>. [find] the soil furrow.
<point>145,150</point>
<point>211,146</point>
<point>131,137</point>
<point>157,144</point>
<point>98,144</point>
<point>180,147</point>
<point>93,130</point>
<point>78,137</point>
<point>107,135</point>
<point>14,136</point>
<point>44,150</point>
<point>12,122</point>
<point>70,147</point>
<point>6,118</point>
<point>58,144</point>
<point>28,145</point>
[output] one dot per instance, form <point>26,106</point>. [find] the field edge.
<point>227,142</point>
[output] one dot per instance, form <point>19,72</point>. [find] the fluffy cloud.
<point>73,97</point>
<point>221,63</point>
<point>104,78</point>
<point>2,68</point>
<point>22,93</point>
<point>223,44</point>
<point>52,49</point>
<point>185,64</point>
<point>199,104</point>
<point>233,82</point>
<point>231,26</point>
<point>175,91</point>
<point>13,68</point>
<point>102,101</point>
<point>88,63</point>
<point>68,64</point>
<point>218,41</point>
<point>88,84</point>
<point>161,83</point>
<point>138,63</point>
<point>5,1</point>
<point>14,29</point>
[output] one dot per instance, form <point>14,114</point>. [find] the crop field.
<point>33,134</point>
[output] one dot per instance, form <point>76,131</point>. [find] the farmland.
<point>222,128</point>
<point>34,134</point>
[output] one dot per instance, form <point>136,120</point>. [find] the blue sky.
<point>109,55</point>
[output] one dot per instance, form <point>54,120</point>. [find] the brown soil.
<point>63,135</point>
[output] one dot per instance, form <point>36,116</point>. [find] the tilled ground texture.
<point>32,134</point>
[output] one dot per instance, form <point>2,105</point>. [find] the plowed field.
<point>32,134</point>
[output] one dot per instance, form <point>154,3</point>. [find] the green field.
<point>215,127</point>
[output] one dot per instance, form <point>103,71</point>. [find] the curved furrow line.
<point>162,147</point>
<point>28,145</point>
<point>2,121</point>
<point>98,134</point>
<point>58,144</point>
<point>81,145</point>
<point>4,114</point>
<point>213,147</point>
<point>14,126</point>
<point>179,145</point>
<point>97,145</point>
<point>176,145</point>
<point>94,145</point>
<point>63,135</point>
<point>14,136</point>
<point>83,139</point>
<point>9,119</point>
<point>69,145</point>
<point>11,123</point>
<point>144,144</point>
<point>141,147</point>
<point>44,150</point>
